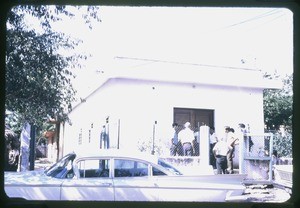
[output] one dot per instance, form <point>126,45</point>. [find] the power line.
<point>266,14</point>
<point>183,63</point>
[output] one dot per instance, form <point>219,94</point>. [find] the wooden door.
<point>197,117</point>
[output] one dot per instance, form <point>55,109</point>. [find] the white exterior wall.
<point>138,104</point>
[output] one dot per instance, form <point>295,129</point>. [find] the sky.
<point>256,38</point>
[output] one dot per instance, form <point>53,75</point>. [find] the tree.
<point>278,104</point>
<point>278,113</point>
<point>282,143</point>
<point>38,75</point>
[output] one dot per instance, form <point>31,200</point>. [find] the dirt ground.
<point>266,193</point>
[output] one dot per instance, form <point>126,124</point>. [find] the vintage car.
<point>116,176</point>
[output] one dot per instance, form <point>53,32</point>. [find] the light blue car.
<point>113,175</point>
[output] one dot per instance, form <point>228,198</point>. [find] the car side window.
<point>157,172</point>
<point>94,168</point>
<point>63,168</point>
<point>130,168</point>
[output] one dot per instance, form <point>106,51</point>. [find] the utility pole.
<point>32,148</point>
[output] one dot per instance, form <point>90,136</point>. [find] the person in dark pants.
<point>212,142</point>
<point>174,150</point>
<point>186,137</point>
<point>220,151</point>
<point>196,143</point>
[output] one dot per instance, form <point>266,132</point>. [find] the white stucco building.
<point>142,98</point>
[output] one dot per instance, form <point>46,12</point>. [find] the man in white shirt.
<point>220,151</point>
<point>186,136</point>
<point>232,140</point>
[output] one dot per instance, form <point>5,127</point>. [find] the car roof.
<point>120,153</point>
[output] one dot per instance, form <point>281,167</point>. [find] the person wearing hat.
<point>186,137</point>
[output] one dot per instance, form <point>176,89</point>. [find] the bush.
<point>282,143</point>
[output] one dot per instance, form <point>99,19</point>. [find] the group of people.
<point>223,151</point>
<point>224,147</point>
<point>221,148</point>
<point>184,142</point>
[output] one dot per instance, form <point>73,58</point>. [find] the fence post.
<point>204,145</point>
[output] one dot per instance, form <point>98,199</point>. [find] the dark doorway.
<point>197,117</point>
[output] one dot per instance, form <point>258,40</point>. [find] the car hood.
<point>36,177</point>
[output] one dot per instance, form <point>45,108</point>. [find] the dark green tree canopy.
<point>38,76</point>
<point>278,104</point>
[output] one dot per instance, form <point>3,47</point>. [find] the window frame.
<point>83,161</point>
<point>136,161</point>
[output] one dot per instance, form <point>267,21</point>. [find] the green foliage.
<point>12,122</point>
<point>282,143</point>
<point>278,113</point>
<point>38,76</point>
<point>278,105</point>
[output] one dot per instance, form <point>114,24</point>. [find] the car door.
<point>204,188</point>
<point>178,188</point>
<point>94,182</point>
<point>173,187</point>
<point>132,181</point>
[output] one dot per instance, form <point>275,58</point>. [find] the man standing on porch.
<point>212,142</point>
<point>186,136</point>
<point>220,151</point>
<point>174,150</point>
<point>232,140</point>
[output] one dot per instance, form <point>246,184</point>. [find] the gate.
<point>256,158</point>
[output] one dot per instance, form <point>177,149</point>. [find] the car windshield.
<point>62,164</point>
<point>169,167</point>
